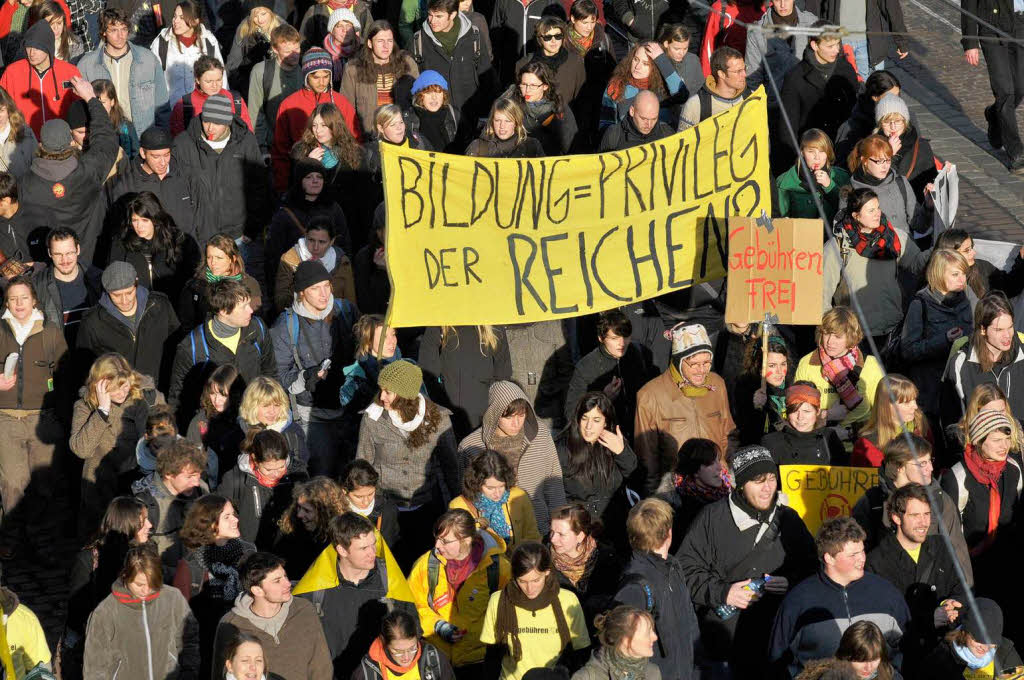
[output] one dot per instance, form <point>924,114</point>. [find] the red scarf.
<point>987,472</point>
<point>881,243</point>
<point>379,654</point>
<point>340,5</point>
<point>457,571</point>
<point>843,373</point>
<point>188,42</point>
<point>263,481</point>
<point>126,597</point>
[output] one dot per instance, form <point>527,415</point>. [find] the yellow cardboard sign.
<point>821,492</point>
<point>499,241</point>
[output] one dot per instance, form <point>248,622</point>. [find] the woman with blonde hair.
<point>818,157</point>
<point>889,420</point>
<point>251,44</point>
<point>939,315</point>
<point>985,397</point>
<point>265,405</point>
<point>504,135</point>
<point>221,260</point>
<point>19,142</point>
<point>461,362</point>
<point>106,424</point>
<point>306,523</point>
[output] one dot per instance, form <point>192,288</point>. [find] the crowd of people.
<point>267,481</point>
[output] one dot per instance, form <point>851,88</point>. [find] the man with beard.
<point>747,535</point>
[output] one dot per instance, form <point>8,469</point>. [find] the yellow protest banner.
<point>498,241</point>
<point>821,492</point>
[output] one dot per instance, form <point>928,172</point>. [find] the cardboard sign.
<point>775,267</point>
<point>821,492</point>
<point>474,240</point>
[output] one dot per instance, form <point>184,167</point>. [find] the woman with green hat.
<point>410,442</point>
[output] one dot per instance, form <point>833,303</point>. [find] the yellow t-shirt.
<point>231,342</point>
<point>538,634</point>
<point>413,674</point>
<point>915,554</point>
<point>986,673</point>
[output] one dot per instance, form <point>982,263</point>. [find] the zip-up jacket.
<point>259,507</point>
<point>40,360</point>
<point>513,24</point>
<point>963,374</point>
<point>148,95</point>
<point>40,97</point>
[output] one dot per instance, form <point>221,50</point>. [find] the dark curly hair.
<point>200,526</point>
<point>481,468</point>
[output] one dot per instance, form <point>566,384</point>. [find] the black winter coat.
<point>385,517</point>
<point>512,30</point>
<point>924,345</point>
<point>259,507</point>
<point>599,62</point>
<point>373,287</point>
<point>975,512</point>
<point>458,374</point>
<point>467,69</point>
<point>882,17</point>
<point>944,664</point>
<point>596,370</point>
<point>48,293</point>
<point>148,351</point>
<point>963,373</point>
<point>638,17</point>
<point>916,161</point>
<point>180,195</point>
<point>16,233</point>
<point>819,447</point>
<point>235,181</point>
<point>604,500</point>
<point>650,578</point>
<point>725,545</point>
<point>284,230</point>
<point>813,102</point>
<point>450,128</point>
<point>624,135</point>
<point>69,199</point>
<point>153,266</point>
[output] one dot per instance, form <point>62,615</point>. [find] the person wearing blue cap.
<point>432,114</point>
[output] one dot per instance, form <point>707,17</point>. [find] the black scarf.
<point>760,516</point>
<point>826,70</point>
<point>790,20</point>
<point>432,126</point>
<point>554,61</point>
<point>506,623</point>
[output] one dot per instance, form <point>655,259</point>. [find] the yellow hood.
<point>323,573</point>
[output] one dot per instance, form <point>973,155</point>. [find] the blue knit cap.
<point>428,78</point>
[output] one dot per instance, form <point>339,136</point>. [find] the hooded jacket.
<point>26,641</point>
<point>259,507</point>
<point>963,373</point>
<point>292,116</point>
<point>463,608</point>
<point>625,135</point>
<point>129,638</point>
<point>148,97</point>
<point>40,97</point>
<point>351,612</point>
<point>816,612</point>
<point>294,645</point>
<point>234,180</point>
<point>815,102</point>
<point>539,473</point>
<point>67,190</point>
<point>924,345</point>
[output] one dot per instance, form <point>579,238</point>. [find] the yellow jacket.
<point>323,573</point>
<point>470,603</point>
<point>518,514</point>
<point>809,369</point>
<point>24,643</point>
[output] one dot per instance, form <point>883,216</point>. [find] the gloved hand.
<point>446,631</point>
<point>777,585</point>
<point>311,377</point>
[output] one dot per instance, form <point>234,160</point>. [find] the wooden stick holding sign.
<point>775,267</point>
<point>767,326</point>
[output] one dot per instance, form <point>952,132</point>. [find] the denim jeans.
<point>860,56</point>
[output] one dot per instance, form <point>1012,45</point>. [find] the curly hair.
<point>344,146</point>
<point>484,466</point>
<point>407,409</point>
<point>116,370</point>
<point>200,526</point>
<point>622,76</point>
<point>328,501</point>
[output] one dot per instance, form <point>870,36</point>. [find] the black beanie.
<point>78,115</point>
<point>309,273</point>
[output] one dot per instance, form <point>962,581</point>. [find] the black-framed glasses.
<point>551,36</point>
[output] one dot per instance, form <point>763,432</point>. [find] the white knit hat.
<point>689,340</point>
<point>343,14</point>
<point>891,103</point>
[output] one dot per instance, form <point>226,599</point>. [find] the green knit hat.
<point>402,377</point>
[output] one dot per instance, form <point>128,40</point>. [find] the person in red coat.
<point>294,112</point>
<point>40,83</point>
<point>9,8</point>
<point>209,74</point>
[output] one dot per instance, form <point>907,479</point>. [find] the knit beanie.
<point>78,115</point>
<point>750,462</point>
<point>802,394</point>
<point>343,14</point>
<point>990,615</point>
<point>315,59</point>
<point>689,340</point>
<point>265,4</point>
<point>155,139</point>
<point>983,424</point>
<point>309,273</point>
<point>402,377</point>
<point>428,78</point>
<point>118,276</point>
<point>55,135</point>
<point>891,103</point>
<point>217,109</point>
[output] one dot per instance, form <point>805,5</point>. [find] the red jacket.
<point>7,13</point>
<point>198,98</point>
<point>722,31</point>
<point>40,98</point>
<point>292,116</point>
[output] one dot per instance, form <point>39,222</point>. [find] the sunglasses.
<point>551,36</point>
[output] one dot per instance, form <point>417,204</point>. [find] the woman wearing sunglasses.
<point>553,50</point>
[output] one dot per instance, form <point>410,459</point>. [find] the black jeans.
<point>1006,76</point>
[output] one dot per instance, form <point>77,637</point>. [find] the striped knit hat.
<point>750,462</point>
<point>315,59</point>
<point>983,424</point>
<point>217,109</point>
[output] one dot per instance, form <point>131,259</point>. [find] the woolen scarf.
<point>691,486</point>
<point>573,568</point>
<point>843,374</point>
<point>687,387</point>
<point>506,626</point>
<point>379,653</point>
<point>579,43</point>
<point>457,571</point>
<point>987,472</point>
<point>213,278</point>
<point>881,243</point>
<point>624,667</point>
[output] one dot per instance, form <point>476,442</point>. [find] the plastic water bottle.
<point>756,586</point>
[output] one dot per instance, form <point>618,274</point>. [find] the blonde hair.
<point>840,321</point>
<point>940,263</point>
<point>818,139</point>
<point>983,395</point>
<point>649,524</point>
<point>488,339</point>
<point>262,391</point>
<point>248,26</point>
<point>386,115</point>
<point>510,108</point>
<point>883,421</point>
<point>116,370</point>
<point>890,116</point>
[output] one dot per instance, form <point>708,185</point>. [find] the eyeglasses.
<point>924,463</point>
<point>531,86</point>
<point>411,651</point>
<point>881,161</point>
<point>551,36</point>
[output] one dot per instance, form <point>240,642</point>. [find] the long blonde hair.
<point>883,421</point>
<point>488,338</point>
<point>983,395</point>
<point>248,26</point>
<point>116,370</point>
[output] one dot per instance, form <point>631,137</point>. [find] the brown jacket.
<point>95,437</point>
<point>293,641</point>
<point>44,349</point>
<point>363,95</point>
<point>666,418</point>
<point>343,281</point>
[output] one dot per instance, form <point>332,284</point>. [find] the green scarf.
<point>213,278</point>
<point>624,667</point>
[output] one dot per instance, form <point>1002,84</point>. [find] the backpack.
<point>342,308</point>
<point>417,46</point>
<point>206,347</point>
<point>317,597</point>
<point>431,665</point>
<point>704,95</point>
<point>960,475</point>
<point>188,111</point>
<point>434,568</point>
<point>210,49</point>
